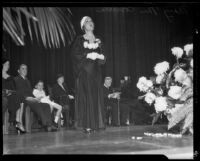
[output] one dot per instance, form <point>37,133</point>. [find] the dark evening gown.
<point>89,103</point>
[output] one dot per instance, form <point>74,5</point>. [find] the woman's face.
<point>40,86</point>
<point>89,24</point>
<point>6,66</point>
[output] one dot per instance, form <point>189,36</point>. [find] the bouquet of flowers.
<point>171,91</point>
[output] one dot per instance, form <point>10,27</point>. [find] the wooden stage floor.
<point>114,140</point>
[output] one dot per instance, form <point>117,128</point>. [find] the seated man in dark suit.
<point>139,113</point>
<point>61,95</point>
<point>42,110</point>
<point>111,99</point>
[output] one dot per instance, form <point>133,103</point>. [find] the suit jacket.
<point>106,92</point>
<point>60,95</point>
<point>23,87</point>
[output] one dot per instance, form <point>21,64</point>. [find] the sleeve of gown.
<point>101,62</point>
<point>78,57</point>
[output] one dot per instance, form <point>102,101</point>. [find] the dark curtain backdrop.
<point>134,42</point>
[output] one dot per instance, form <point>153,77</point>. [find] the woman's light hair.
<point>83,21</point>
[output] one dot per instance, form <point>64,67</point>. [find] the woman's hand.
<point>92,56</point>
<point>100,56</point>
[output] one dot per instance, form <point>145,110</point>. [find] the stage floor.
<point>114,140</point>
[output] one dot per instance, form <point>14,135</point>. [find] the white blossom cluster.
<point>160,104</point>
<point>150,98</point>
<point>92,45</point>
<point>180,75</point>
<point>175,92</point>
<point>177,51</point>
<point>144,84</point>
<point>188,48</point>
<point>161,68</point>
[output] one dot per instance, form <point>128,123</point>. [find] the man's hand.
<point>115,95</point>
<point>71,97</point>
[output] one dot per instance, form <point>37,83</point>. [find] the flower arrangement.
<point>170,91</point>
<point>94,45</point>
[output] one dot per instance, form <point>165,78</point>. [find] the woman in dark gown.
<point>87,55</point>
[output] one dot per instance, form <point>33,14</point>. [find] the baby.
<point>39,93</point>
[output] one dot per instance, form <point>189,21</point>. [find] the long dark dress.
<point>13,100</point>
<point>89,105</point>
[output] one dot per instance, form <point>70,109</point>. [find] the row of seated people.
<point>120,106</point>
<point>18,90</point>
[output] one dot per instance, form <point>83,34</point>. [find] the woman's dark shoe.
<point>20,128</point>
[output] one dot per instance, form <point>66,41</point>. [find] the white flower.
<point>95,45</point>
<point>187,48</point>
<point>162,67</point>
<point>175,92</point>
<point>160,104</point>
<point>150,97</point>
<point>149,83</point>
<point>85,44</point>
<point>144,84</point>
<point>191,63</point>
<point>159,78</point>
<point>177,51</point>
<point>90,46</point>
<point>180,75</point>
<point>98,41</point>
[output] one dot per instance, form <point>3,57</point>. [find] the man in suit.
<point>137,110</point>
<point>112,99</point>
<point>23,88</point>
<point>61,95</point>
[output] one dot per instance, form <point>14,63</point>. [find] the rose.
<point>150,97</point>
<point>160,104</point>
<point>175,92</point>
<point>159,78</point>
<point>162,67</point>
<point>188,49</point>
<point>180,75</point>
<point>177,51</point>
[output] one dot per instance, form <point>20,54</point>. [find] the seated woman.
<point>39,93</point>
<point>11,99</point>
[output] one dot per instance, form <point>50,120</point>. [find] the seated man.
<point>111,99</point>
<point>23,88</point>
<point>139,113</point>
<point>61,96</point>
